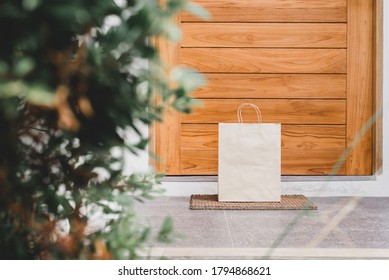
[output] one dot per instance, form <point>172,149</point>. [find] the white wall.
<point>377,187</point>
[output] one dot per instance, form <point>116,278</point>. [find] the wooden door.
<point>307,64</point>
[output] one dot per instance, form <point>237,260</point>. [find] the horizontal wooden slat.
<point>324,162</point>
<point>285,111</point>
<point>273,10</point>
<point>273,86</point>
<point>199,162</point>
<point>199,136</point>
<point>249,60</point>
<point>313,137</point>
<point>279,35</point>
<point>293,162</point>
<point>296,137</point>
<point>306,149</point>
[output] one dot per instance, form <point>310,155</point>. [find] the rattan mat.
<point>288,202</point>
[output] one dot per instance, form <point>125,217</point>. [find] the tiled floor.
<point>359,226</point>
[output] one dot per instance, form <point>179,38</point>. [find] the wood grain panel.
<point>313,137</point>
<point>315,163</point>
<point>359,87</point>
<point>296,137</point>
<point>292,59</point>
<point>199,162</point>
<point>248,60</point>
<point>293,162</point>
<point>273,10</point>
<point>378,86</point>
<point>298,35</point>
<point>166,135</point>
<point>275,111</point>
<point>323,86</point>
<point>199,136</point>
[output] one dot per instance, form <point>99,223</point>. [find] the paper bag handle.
<point>257,111</point>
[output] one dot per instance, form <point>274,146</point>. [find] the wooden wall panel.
<point>314,163</point>
<point>248,60</point>
<point>199,136</point>
<point>293,162</point>
<point>313,137</point>
<point>287,111</point>
<point>294,137</point>
<point>308,64</point>
<point>306,149</point>
<point>296,35</point>
<point>322,86</point>
<point>360,86</point>
<point>273,10</point>
<point>199,162</point>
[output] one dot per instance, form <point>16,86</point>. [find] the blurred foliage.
<point>75,78</point>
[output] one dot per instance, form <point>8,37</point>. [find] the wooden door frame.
<point>378,82</point>
<point>367,128</point>
<point>168,132</point>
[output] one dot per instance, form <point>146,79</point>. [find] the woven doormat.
<point>288,202</point>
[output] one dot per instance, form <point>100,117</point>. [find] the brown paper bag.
<point>249,160</point>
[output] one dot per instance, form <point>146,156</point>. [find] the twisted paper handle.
<point>257,111</point>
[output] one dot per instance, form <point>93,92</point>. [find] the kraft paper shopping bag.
<point>249,160</point>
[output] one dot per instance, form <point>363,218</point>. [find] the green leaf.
<point>142,144</point>
<point>159,177</point>
<point>187,78</point>
<point>14,88</point>
<point>3,68</point>
<point>30,5</point>
<point>123,200</point>
<point>40,95</point>
<point>171,31</point>
<point>64,202</point>
<point>36,94</point>
<point>197,10</point>
<point>186,105</point>
<point>174,6</point>
<point>166,230</point>
<point>146,234</point>
<point>23,66</point>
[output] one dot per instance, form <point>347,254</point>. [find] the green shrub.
<point>71,87</point>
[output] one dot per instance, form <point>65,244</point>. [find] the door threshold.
<point>190,178</point>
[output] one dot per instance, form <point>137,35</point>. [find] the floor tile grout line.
<point>228,228</point>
